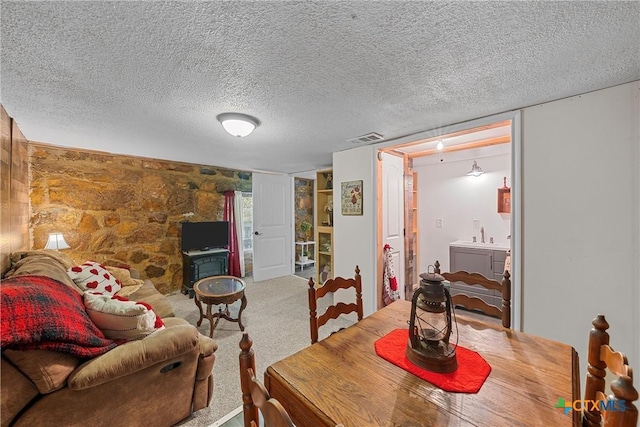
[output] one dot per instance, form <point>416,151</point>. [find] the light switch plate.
<point>439,223</point>
<point>476,224</point>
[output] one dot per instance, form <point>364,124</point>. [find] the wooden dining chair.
<point>617,409</point>
<point>255,396</point>
<point>475,303</point>
<point>333,311</point>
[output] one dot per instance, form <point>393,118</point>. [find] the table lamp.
<point>430,326</point>
<point>56,241</point>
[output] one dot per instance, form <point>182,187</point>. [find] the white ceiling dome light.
<point>238,124</point>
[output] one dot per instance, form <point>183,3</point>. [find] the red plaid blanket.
<point>38,312</point>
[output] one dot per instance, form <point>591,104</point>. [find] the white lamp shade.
<point>238,124</point>
<point>56,241</point>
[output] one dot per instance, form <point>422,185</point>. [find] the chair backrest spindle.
<point>619,410</point>
<point>333,311</point>
<point>475,303</point>
<point>247,362</point>
<point>255,396</point>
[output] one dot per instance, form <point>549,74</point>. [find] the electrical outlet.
<point>476,224</point>
<point>439,223</point>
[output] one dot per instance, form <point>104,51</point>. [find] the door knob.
<point>257,233</point>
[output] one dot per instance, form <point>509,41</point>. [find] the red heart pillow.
<point>94,276</point>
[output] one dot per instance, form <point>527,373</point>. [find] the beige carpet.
<point>276,318</point>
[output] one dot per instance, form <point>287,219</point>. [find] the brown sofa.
<point>156,381</point>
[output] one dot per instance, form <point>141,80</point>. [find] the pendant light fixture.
<point>475,170</point>
<point>440,148</point>
<point>238,124</point>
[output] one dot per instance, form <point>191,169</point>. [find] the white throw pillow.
<point>94,277</point>
<point>121,319</point>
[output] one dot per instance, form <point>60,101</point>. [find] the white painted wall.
<point>446,192</point>
<point>581,230</point>
<point>355,236</point>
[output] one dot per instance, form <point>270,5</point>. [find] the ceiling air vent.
<point>370,137</point>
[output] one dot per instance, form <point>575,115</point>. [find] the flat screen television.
<point>201,236</point>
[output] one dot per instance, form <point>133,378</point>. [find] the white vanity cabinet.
<point>485,258</point>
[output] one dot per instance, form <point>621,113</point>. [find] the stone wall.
<point>303,207</point>
<point>121,207</point>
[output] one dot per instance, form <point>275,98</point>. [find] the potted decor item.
<point>305,227</point>
<point>305,256</point>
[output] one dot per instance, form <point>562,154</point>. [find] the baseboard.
<point>227,417</point>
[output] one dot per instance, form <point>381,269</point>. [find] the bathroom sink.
<point>478,245</point>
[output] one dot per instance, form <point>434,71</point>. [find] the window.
<point>247,222</point>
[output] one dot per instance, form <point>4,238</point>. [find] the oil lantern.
<point>430,326</point>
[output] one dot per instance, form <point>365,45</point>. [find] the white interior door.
<point>272,230</point>
<point>393,213</point>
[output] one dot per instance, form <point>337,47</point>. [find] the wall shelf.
<point>411,262</point>
<point>504,197</point>
<point>304,247</point>
<point>504,200</point>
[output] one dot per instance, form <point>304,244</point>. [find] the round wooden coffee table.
<point>218,290</point>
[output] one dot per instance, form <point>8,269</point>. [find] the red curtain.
<point>234,251</point>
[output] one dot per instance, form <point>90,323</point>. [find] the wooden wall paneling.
<point>14,190</point>
<point>5,189</point>
<point>19,212</point>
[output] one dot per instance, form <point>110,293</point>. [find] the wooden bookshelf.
<point>324,225</point>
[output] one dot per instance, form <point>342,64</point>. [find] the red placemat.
<point>472,370</point>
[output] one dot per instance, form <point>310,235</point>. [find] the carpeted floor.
<point>277,320</point>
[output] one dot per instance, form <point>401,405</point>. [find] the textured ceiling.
<point>148,78</point>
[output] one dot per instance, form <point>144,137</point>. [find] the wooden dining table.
<point>341,380</point>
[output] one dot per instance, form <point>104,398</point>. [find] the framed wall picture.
<point>351,198</point>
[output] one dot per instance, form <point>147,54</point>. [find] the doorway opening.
<point>304,262</point>
<point>443,204</point>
